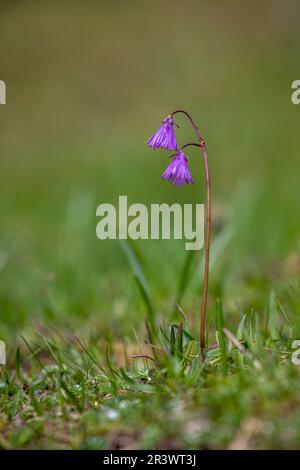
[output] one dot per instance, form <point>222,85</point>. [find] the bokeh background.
<point>87,83</point>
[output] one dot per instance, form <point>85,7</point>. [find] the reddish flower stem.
<point>207,228</point>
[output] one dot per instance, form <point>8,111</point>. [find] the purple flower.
<point>164,137</point>
<point>178,171</point>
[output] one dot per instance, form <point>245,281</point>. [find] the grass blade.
<point>185,275</point>
<point>272,316</point>
<point>240,330</point>
<point>141,282</point>
<point>220,334</point>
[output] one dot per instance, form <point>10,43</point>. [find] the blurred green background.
<point>87,83</point>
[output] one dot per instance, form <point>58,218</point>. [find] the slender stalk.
<point>207,227</point>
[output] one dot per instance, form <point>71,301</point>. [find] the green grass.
<point>86,88</point>
<point>63,393</point>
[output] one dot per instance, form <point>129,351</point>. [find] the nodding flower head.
<point>178,171</point>
<point>164,137</point>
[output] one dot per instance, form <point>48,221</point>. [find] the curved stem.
<point>207,225</point>
<point>191,144</point>
<point>196,128</point>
